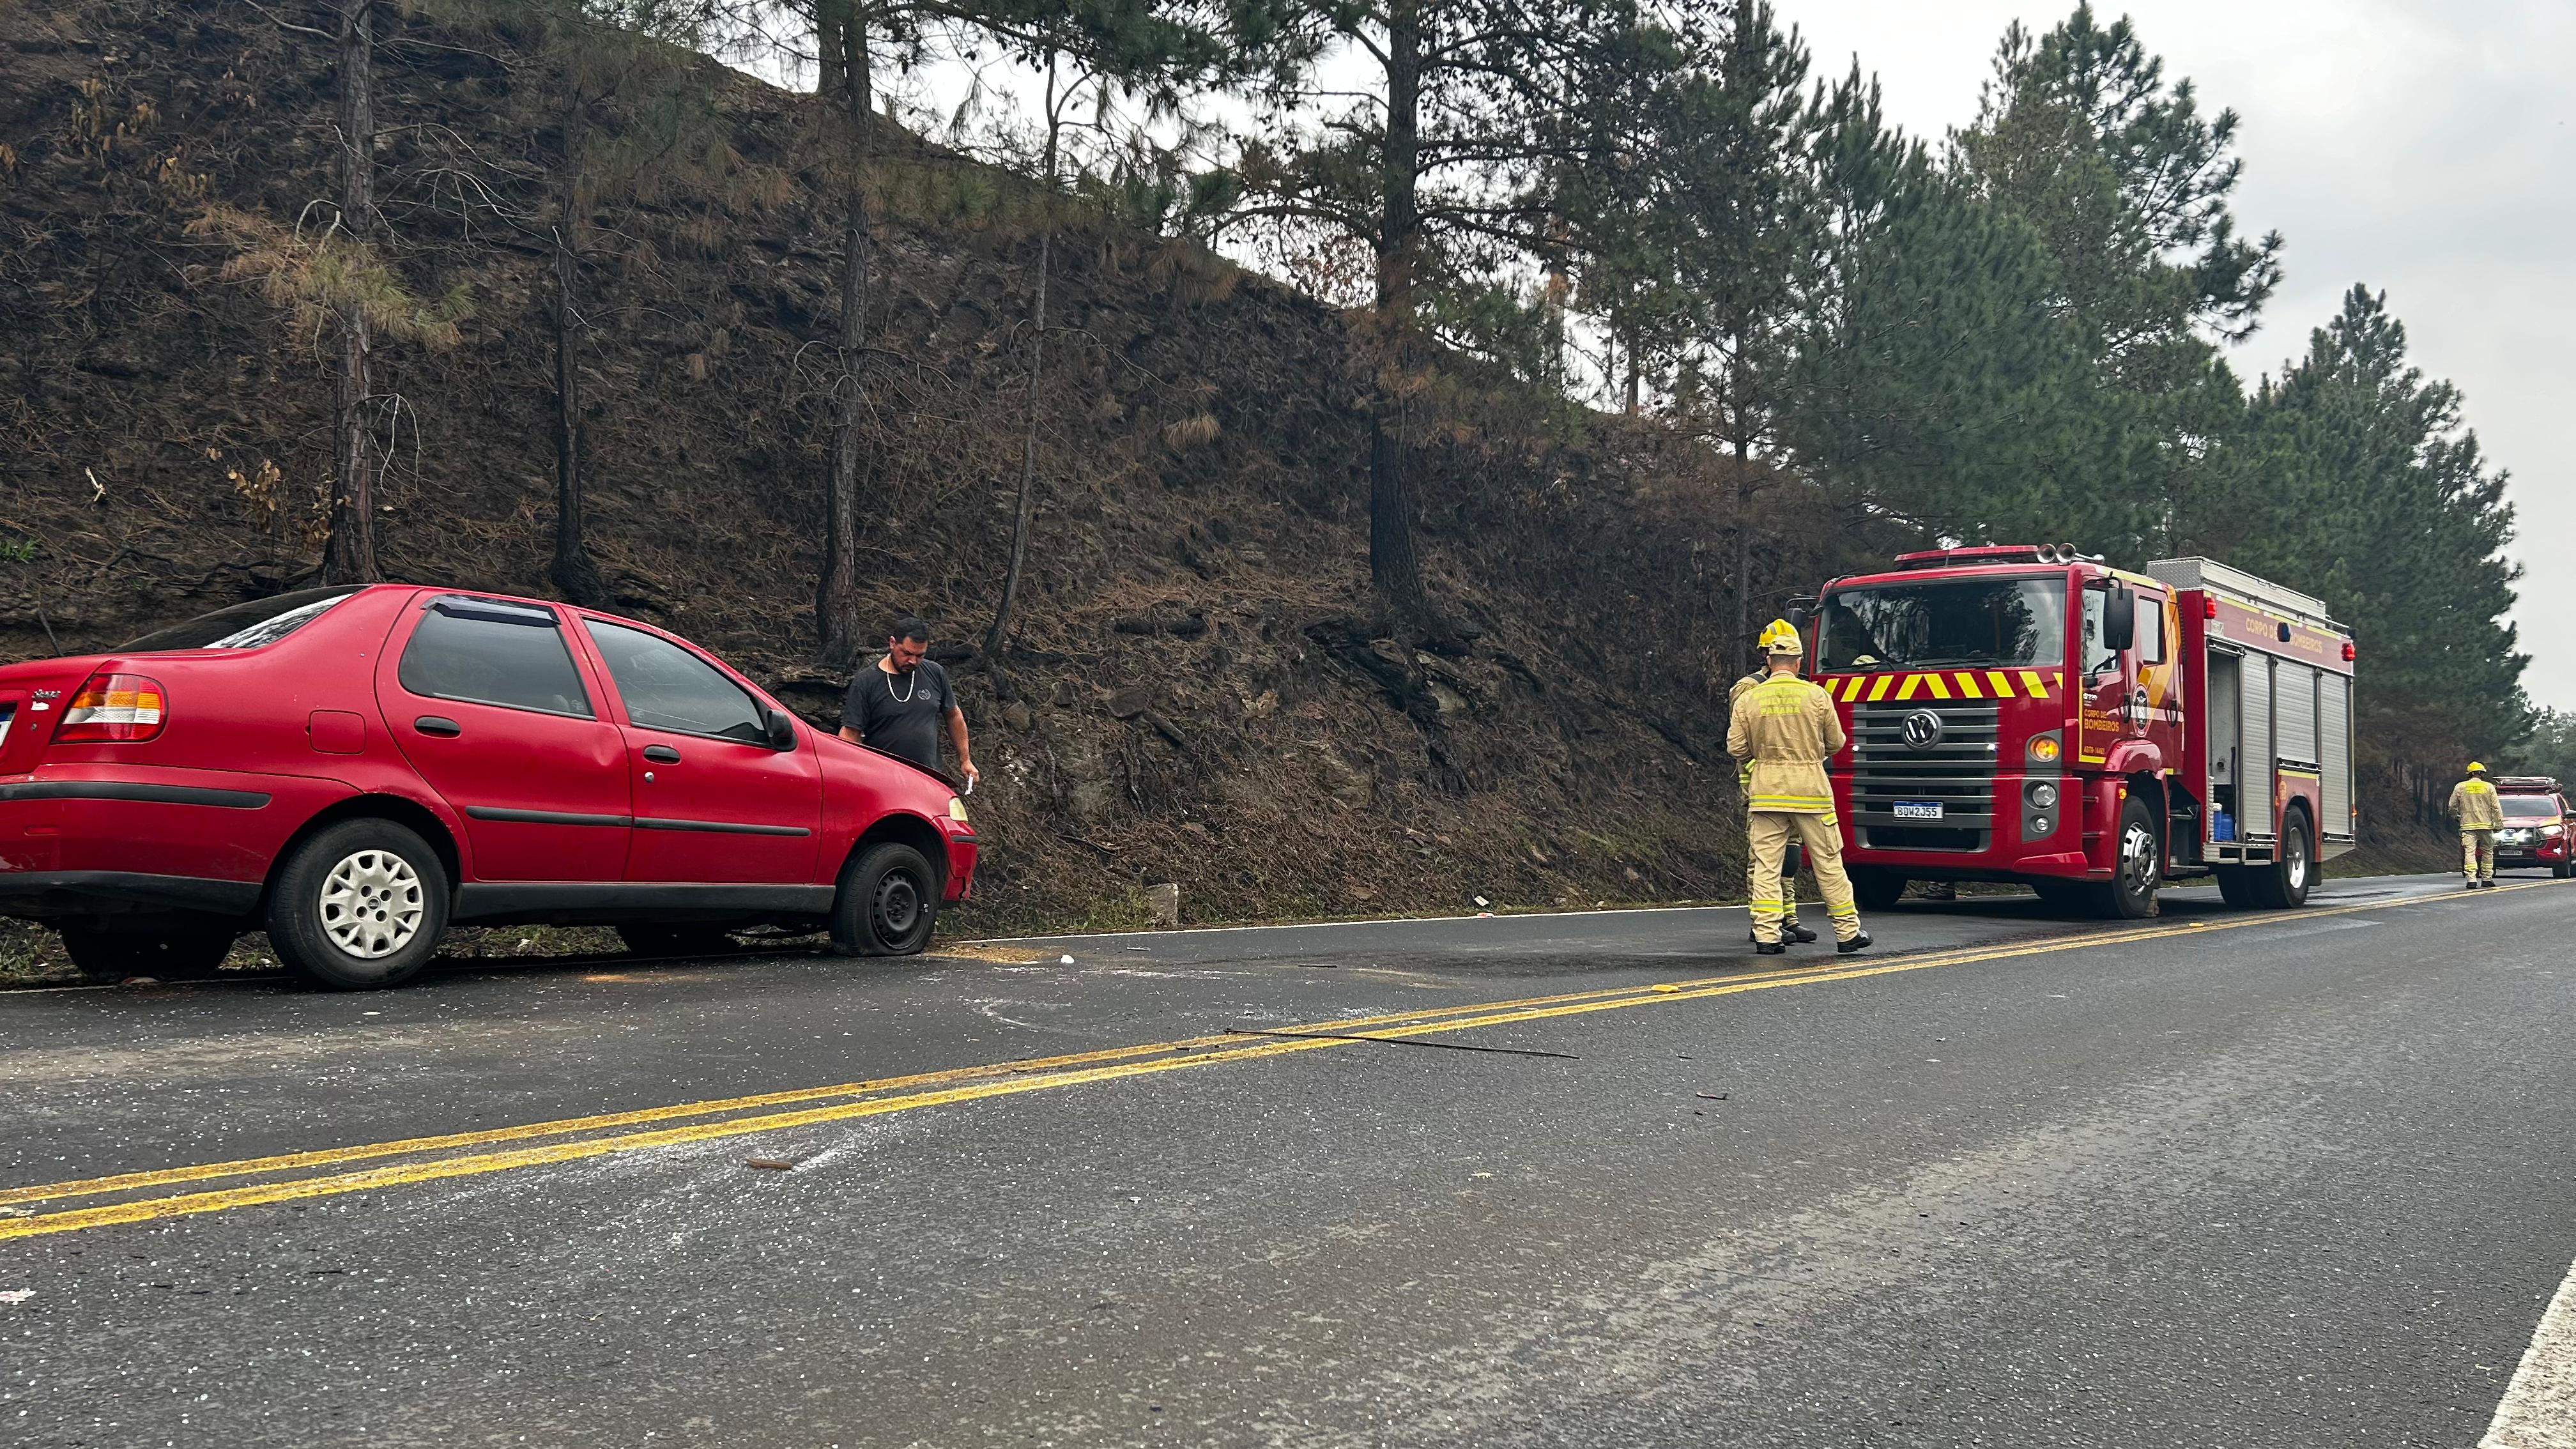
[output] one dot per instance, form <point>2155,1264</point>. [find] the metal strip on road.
<point>961,1085</point>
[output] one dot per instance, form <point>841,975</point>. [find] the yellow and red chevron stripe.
<point>1948,684</point>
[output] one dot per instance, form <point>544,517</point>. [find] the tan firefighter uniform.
<point>2481,816</point>
<point>1788,728</point>
<point>1776,629</point>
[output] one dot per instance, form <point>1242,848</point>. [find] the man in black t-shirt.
<point>898,704</point>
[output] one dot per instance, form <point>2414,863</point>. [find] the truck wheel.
<point>2283,885</point>
<point>2138,867</point>
<point>2238,886</point>
<point>359,906</point>
<point>162,951</point>
<point>2562,870</point>
<point>2060,895</point>
<point>1876,889</point>
<point>887,901</point>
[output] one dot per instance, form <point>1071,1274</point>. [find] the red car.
<point>356,769</point>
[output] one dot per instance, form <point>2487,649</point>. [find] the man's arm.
<point>957,737</point>
<point>2456,791</point>
<point>1835,739</point>
<point>1739,730</point>
<point>853,736</point>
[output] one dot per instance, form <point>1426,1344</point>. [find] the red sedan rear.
<point>354,770</point>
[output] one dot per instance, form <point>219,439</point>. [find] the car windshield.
<point>1980,622</point>
<point>243,626</point>
<point>2529,807</point>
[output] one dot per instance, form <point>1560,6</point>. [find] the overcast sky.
<point>2422,148</point>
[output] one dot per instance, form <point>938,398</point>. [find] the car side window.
<point>482,652</point>
<point>668,688</point>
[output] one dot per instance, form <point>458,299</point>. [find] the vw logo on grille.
<point>1922,730</point>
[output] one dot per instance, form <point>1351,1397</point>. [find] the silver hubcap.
<point>2298,861</point>
<point>2138,860</point>
<point>371,904</point>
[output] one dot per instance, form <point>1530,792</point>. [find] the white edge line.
<point>1435,920</point>
<point>2539,1407</point>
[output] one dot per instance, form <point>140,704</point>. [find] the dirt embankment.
<point>1199,696</point>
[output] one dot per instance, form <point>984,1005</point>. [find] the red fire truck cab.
<point>2027,713</point>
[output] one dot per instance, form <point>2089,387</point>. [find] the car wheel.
<point>164,952</point>
<point>2561,870</point>
<point>887,900</point>
<point>656,939</point>
<point>359,906</point>
<point>1874,889</point>
<point>2138,866</point>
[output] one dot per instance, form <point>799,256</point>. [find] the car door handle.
<point>662,754</point>
<point>439,725</point>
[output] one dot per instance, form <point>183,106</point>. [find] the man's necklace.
<point>906,697</point>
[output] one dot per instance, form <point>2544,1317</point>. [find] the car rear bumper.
<point>123,838</point>
<point>46,894</point>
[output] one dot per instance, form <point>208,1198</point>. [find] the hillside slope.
<point>1199,697</point>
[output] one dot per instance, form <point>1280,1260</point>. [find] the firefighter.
<point>1776,629</point>
<point>1787,728</point>
<point>2481,816</point>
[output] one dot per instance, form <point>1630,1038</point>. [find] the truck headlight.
<point>2553,831</point>
<point>2043,795</point>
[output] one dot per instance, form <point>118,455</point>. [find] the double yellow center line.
<point>327,1172</point>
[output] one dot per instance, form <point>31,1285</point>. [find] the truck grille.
<point>1958,772</point>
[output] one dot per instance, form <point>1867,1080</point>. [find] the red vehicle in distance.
<point>354,770</point>
<point>2536,825</point>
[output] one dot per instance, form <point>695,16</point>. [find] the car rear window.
<point>486,652</point>
<point>244,626</point>
<point>668,688</point>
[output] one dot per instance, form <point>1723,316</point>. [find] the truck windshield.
<point>1983,622</point>
<point>2529,807</point>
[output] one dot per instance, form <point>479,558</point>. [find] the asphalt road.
<point>2219,1179</point>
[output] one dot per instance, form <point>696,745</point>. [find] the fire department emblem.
<point>1921,729</point>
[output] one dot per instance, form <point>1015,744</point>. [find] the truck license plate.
<point>1918,809</point>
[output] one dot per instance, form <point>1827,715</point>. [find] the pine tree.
<point>1429,171</point>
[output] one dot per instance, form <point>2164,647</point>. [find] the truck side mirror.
<point>2120,620</point>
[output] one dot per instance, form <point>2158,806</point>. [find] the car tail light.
<point>113,707</point>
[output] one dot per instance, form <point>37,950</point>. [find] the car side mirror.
<point>782,730</point>
<point>2120,621</point>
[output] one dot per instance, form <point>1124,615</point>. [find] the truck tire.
<point>2138,866</point>
<point>887,902</point>
<point>184,950</point>
<point>1875,889</point>
<point>2238,886</point>
<point>359,906</point>
<point>2283,885</point>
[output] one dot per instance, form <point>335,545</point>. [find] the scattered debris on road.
<point>1710,1096</point>
<point>17,1295</point>
<point>1446,1046</point>
<point>769,1164</point>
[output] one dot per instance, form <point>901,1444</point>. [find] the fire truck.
<point>2028,713</point>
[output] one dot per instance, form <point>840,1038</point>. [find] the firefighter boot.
<point>1860,942</point>
<point>1790,930</point>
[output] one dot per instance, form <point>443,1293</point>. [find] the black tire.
<point>1876,889</point>
<point>2138,868</point>
<point>2561,871</point>
<point>887,903</point>
<point>2283,885</point>
<point>2064,895</point>
<point>2239,886</point>
<point>661,939</point>
<point>164,951</point>
<point>359,906</point>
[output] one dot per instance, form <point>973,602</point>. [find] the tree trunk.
<point>1742,438</point>
<point>574,575</point>
<point>349,552</point>
<point>1393,567</point>
<point>836,594</point>
<point>1000,633</point>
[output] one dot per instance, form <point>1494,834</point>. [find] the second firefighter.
<point>1787,728</point>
